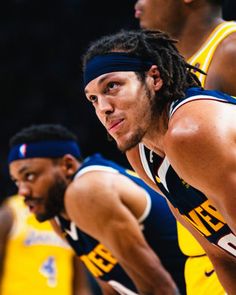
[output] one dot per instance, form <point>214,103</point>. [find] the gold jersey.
<point>203,57</point>
<point>37,260</point>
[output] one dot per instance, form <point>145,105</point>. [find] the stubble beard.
<point>54,204</point>
<point>135,139</point>
<point>139,133</point>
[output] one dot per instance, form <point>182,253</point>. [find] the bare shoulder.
<point>200,120</point>
<point>96,190</point>
<point>199,140</point>
<point>227,47</point>
<point>223,66</point>
<point>85,187</point>
<point>188,124</point>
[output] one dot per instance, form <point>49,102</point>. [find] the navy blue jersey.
<point>158,226</point>
<point>192,204</point>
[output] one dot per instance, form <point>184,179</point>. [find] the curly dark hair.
<point>40,132</point>
<point>154,46</point>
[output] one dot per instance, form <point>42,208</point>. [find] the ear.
<point>69,165</point>
<point>155,76</point>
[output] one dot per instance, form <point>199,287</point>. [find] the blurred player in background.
<point>121,229</point>
<point>34,260</point>
<point>204,38</point>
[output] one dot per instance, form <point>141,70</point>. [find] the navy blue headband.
<point>113,62</point>
<point>44,149</point>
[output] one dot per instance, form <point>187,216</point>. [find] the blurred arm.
<point>96,203</point>
<point>6,221</point>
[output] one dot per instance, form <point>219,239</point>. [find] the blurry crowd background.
<point>41,45</point>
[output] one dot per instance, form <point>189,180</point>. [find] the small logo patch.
<point>22,150</point>
<point>209,273</point>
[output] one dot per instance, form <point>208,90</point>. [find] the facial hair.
<point>139,132</point>
<point>54,204</point>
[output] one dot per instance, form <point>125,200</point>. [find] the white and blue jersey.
<point>192,204</point>
<point>158,225</point>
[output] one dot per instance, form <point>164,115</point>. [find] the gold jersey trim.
<point>203,57</point>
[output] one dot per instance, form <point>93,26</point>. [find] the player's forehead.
<point>23,165</point>
<point>102,79</point>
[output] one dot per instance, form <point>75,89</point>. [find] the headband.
<point>113,62</point>
<point>44,149</point>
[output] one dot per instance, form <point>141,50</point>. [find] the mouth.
<point>33,204</point>
<point>114,126</point>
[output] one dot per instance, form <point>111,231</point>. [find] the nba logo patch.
<point>22,150</point>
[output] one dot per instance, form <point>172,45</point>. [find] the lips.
<point>114,125</point>
<point>32,204</point>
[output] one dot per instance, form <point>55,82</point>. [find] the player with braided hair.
<point>179,137</point>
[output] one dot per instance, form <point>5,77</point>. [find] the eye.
<point>112,85</point>
<point>29,176</point>
<point>92,98</point>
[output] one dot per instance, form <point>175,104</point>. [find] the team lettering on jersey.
<point>99,261</point>
<point>207,220</point>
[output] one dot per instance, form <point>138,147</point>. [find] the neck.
<point>154,137</point>
<point>195,29</point>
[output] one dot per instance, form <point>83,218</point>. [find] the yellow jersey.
<point>203,57</point>
<point>202,284</point>
<point>37,260</point>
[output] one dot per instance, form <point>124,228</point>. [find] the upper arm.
<point>6,222</point>
<point>82,283</point>
<point>222,72</point>
<point>106,288</point>
<point>201,151</point>
<point>95,205</point>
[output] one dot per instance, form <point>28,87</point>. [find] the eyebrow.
<point>23,169</point>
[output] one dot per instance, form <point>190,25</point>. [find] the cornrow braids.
<point>154,46</point>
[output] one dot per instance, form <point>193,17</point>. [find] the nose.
<point>105,105</point>
<point>23,189</point>
<point>136,4</point>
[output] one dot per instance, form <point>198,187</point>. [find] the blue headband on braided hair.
<point>113,62</point>
<point>44,149</point>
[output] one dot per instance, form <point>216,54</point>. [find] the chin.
<point>43,217</point>
<point>126,146</point>
<point>131,142</point>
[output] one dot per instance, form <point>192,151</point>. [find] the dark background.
<point>41,43</point>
